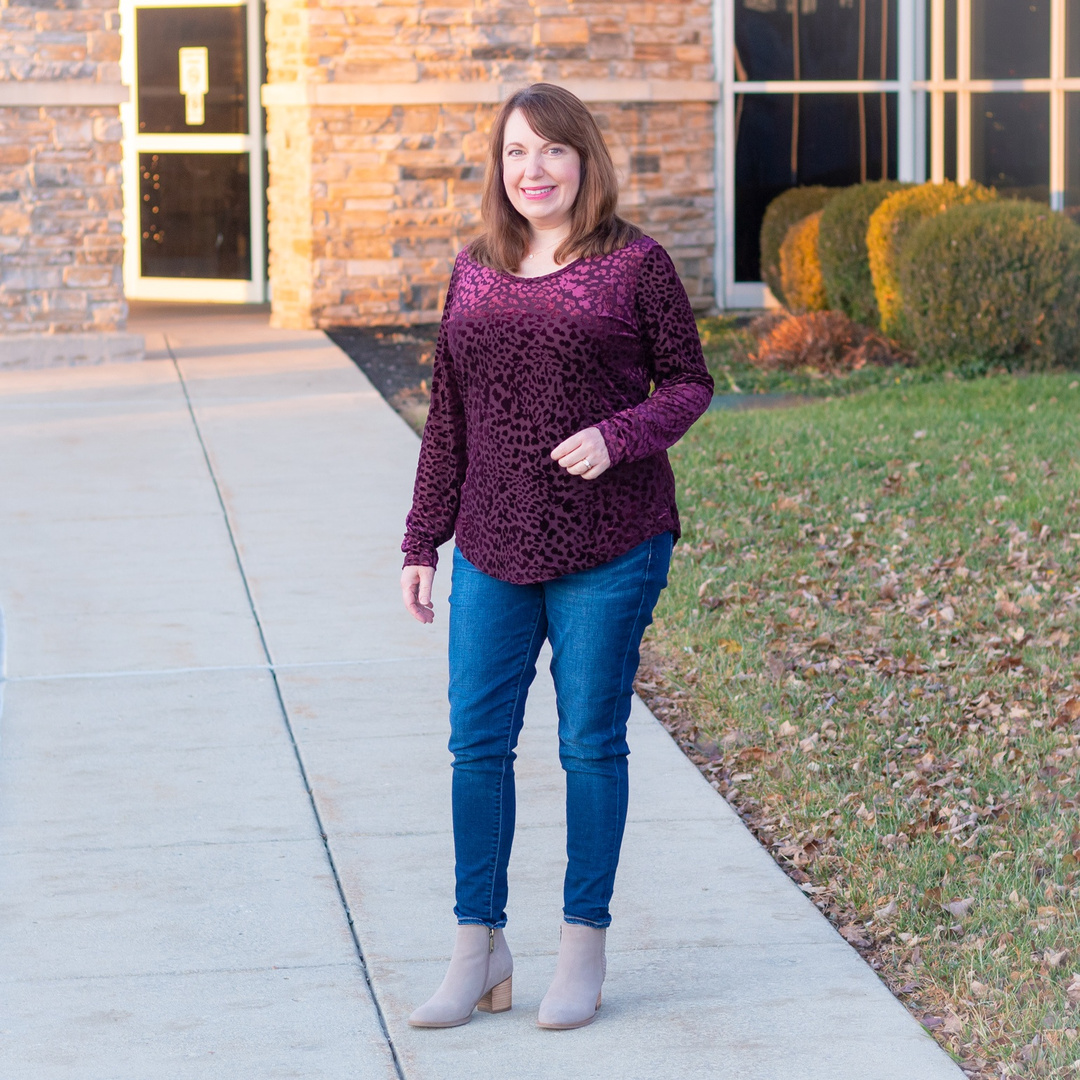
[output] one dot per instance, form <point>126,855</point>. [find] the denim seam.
<point>502,778</point>
<point>613,856</point>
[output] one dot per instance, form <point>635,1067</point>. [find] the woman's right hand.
<point>416,584</point>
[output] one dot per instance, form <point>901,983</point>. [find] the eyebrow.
<point>547,142</point>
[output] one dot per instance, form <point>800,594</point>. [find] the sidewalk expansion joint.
<point>139,673</point>
<point>3,661</point>
<point>285,716</point>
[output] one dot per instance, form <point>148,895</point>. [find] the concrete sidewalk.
<point>224,784</point>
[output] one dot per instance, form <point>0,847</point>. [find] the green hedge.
<point>845,264</point>
<point>994,283</point>
<point>896,219</point>
<point>800,267</point>
<point>783,212</point>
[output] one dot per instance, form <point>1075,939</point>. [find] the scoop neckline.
<point>562,269</point>
<point>542,277</point>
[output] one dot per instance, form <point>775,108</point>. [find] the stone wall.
<point>61,244</point>
<point>393,189</point>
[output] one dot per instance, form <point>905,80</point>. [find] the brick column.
<point>61,208</point>
<point>389,105</point>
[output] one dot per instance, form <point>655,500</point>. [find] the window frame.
<point>910,136</point>
<point>964,86</point>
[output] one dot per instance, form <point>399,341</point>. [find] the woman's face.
<point>541,177</point>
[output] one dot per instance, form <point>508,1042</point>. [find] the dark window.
<point>839,139</point>
<point>838,39</point>
<point>950,135</point>
<point>1072,38</point>
<point>160,35</point>
<point>196,216</point>
<point>1010,39</point>
<point>1010,143</point>
<point>1072,155</point>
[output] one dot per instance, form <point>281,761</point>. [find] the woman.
<point>545,453</point>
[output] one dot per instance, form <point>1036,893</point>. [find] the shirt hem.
<point>489,567</point>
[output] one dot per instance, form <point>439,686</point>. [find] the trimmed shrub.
<point>824,341</point>
<point>891,226</point>
<point>994,283</point>
<point>783,212</point>
<point>845,264</point>
<point>800,267</point>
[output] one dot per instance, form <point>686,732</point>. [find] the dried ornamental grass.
<point>783,212</point>
<point>800,267</point>
<point>892,225</point>
<point>824,341</point>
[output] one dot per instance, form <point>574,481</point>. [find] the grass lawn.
<point>871,645</point>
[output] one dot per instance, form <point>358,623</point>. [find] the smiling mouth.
<point>538,193</point>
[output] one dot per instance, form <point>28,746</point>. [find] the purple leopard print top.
<point>523,363</point>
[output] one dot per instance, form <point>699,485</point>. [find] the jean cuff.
<point>481,922</point>
<point>573,920</point>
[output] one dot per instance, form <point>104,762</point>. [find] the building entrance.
<point>194,188</point>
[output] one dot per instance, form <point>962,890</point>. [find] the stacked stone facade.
<point>375,180</point>
<point>61,244</point>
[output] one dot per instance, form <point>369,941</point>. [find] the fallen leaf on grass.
<point>953,1025</point>
<point>729,646</point>
<point>776,665</point>
<point>787,730</point>
<point>853,935</point>
<point>1069,711</point>
<point>1072,991</point>
<point>785,503</point>
<point>1055,959</point>
<point>959,908</point>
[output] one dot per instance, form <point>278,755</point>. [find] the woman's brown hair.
<point>595,229</point>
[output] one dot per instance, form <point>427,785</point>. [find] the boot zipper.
<point>491,940</point>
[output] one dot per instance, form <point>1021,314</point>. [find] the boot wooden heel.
<point>498,998</point>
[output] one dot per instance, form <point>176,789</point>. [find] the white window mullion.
<point>937,95</point>
<point>919,96</point>
<point>963,93</point>
<point>906,101</point>
<point>1057,105</point>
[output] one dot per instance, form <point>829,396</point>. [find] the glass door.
<point>194,191</point>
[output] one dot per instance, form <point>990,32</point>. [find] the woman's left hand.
<point>584,454</point>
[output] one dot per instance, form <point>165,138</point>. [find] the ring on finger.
<point>587,464</point>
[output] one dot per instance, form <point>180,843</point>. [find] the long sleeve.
<point>441,469</point>
<point>683,386</point>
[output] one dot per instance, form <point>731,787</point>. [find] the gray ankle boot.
<point>479,977</point>
<point>574,995</point>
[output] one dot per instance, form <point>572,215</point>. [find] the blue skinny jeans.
<point>594,620</point>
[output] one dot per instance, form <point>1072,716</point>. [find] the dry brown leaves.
<point>988,715</point>
<point>823,341</point>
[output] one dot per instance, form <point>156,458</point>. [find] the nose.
<point>534,169</point>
